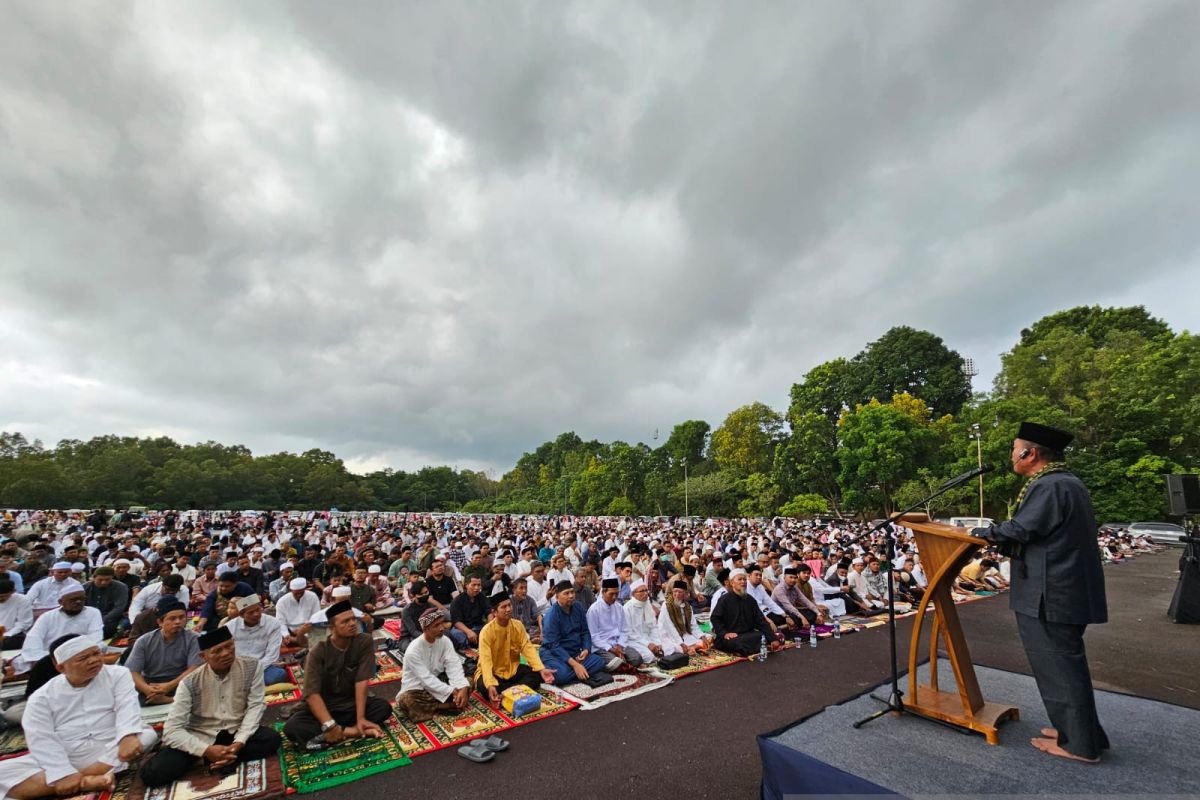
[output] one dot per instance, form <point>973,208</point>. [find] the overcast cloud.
<point>446,232</point>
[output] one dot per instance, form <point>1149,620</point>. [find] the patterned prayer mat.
<point>12,743</point>
<point>390,667</point>
<point>308,772</point>
<point>252,780</point>
<point>703,662</point>
<point>623,687</point>
<point>478,719</point>
<point>284,695</point>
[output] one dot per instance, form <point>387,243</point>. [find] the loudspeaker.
<point>1183,495</point>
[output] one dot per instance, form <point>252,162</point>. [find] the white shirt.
<point>538,592</point>
<point>262,642</point>
<point>607,624</point>
<point>52,625</point>
<point>766,603</point>
<point>424,662</point>
<point>643,624</point>
<point>296,613</point>
<point>43,595</point>
<point>149,595</point>
<point>556,575</point>
<point>69,728</point>
<point>16,614</point>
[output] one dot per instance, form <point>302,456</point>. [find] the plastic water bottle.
<point>837,629</point>
<point>797,640</point>
<point>812,635</point>
<point>762,650</point>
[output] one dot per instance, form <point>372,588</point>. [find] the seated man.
<point>433,680</point>
<point>279,587</point>
<point>16,616</point>
<point>502,644</point>
<point>566,644</point>
<point>337,705</point>
<point>609,628</point>
<point>72,616</point>
<point>160,659</point>
<point>798,604</point>
<point>738,624</point>
<point>204,585</point>
<point>210,722</point>
<point>757,588</point>
<point>44,594</point>
<point>296,609</point>
<point>259,637</point>
<point>82,727</point>
<point>525,610</point>
<point>643,637</point>
<point>168,583</point>
<point>219,608</point>
<point>109,597</point>
<point>468,614</point>
<point>678,629</point>
<point>383,590</point>
<point>410,619</point>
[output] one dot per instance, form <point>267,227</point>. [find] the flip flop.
<point>476,752</point>
<point>495,744</point>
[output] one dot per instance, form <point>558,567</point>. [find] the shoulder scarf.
<point>1049,469</point>
<point>681,618</point>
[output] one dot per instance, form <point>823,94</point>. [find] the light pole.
<point>977,435</point>
<point>685,488</point>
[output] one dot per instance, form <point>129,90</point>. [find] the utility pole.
<point>685,488</point>
<point>978,437</point>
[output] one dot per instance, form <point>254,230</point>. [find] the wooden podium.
<point>944,551</point>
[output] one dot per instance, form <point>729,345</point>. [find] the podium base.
<point>947,707</point>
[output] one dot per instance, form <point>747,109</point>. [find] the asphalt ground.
<point>696,738</point>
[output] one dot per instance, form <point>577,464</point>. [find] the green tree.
<point>803,506</point>
<point>905,360</point>
<point>882,446</point>
<point>745,443</point>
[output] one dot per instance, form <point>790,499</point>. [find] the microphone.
<point>959,480</point>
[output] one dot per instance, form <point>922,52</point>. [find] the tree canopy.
<point>861,435</point>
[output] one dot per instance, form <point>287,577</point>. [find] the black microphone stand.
<point>894,704</point>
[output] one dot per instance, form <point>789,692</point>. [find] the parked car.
<point>971,522</point>
<point>1115,527</point>
<point>1159,532</point>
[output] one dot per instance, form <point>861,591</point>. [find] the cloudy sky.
<point>446,232</point>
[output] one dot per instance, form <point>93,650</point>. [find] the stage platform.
<point>1155,751</point>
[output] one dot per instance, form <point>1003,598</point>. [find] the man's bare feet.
<point>1051,747</point>
<point>1050,733</point>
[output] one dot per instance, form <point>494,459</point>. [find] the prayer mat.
<point>390,667</point>
<point>119,641</point>
<point>261,778</point>
<point>412,737</point>
<point>283,694</point>
<point>703,662</point>
<point>12,743</point>
<point>477,719</point>
<point>308,772</point>
<point>623,687</point>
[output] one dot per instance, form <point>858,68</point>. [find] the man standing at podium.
<point>1057,587</point>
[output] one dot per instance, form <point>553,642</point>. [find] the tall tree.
<point>905,360</point>
<point>745,443</point>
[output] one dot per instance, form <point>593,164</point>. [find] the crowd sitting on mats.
<point>103,616</point>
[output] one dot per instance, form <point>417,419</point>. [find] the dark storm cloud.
<point>444,233</point>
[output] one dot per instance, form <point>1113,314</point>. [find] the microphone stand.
<point>894,704</point>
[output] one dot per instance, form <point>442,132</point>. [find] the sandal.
<point>477,752</point>
<point>495,744</point>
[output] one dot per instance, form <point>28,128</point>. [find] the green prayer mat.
<point>12,742</point>
<point>308,772</point>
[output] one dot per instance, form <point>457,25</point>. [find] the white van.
<point>970,522</point>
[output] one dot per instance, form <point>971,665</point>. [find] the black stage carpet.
<point>697,738</point>
<point>1153,753</point>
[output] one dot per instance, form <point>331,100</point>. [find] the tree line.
<point>860,436</point>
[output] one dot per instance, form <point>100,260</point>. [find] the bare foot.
<point>1050,733</point>
<point>1051,747</point>
<point>98,783</point>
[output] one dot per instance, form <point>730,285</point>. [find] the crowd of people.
<point>104,613</point>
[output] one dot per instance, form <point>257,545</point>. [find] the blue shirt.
<point>564,633</point>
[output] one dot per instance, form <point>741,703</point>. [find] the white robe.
<point>52,625</point>
<point>672,641</point>
<point>643,629</point>
<point>836,605</point>
<point>71,728</point>
<point>43,595</point>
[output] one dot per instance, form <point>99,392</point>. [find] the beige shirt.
<point>206,704</point>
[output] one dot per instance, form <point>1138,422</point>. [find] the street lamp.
<point>685,488</point>
<point>977,435</point>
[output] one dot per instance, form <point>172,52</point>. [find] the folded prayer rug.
<point>703,662</point>
<point>389,667</point>
<point>623,687</point>
<point>305,771</point>
<point>285,692</point>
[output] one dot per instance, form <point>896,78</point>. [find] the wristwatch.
<point>327,725</point>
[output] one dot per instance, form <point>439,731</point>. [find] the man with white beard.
<point>643,636</point>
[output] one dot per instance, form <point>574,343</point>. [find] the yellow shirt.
<point>500,651</point>
<point>972,571</point>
